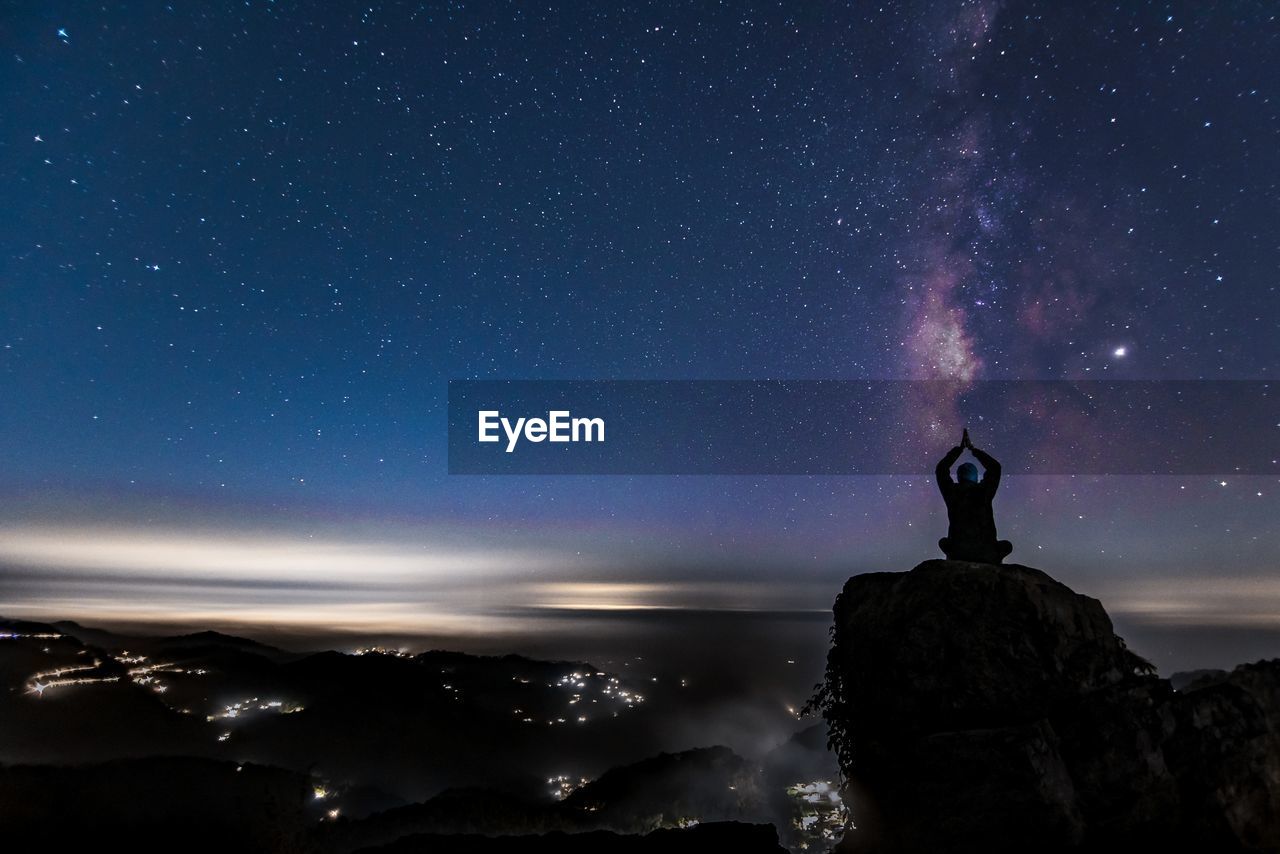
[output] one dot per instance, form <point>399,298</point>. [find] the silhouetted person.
<point>971,533</point>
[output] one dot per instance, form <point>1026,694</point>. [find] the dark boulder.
<point>977,707</point>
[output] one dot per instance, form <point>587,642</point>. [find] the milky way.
<point>247,247</point>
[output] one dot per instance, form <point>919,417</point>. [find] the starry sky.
<point>246,245</point>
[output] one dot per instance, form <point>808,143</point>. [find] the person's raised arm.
<point>943,470</point>
<point>991,469</point>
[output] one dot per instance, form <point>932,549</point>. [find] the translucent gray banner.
<point>861,427</point>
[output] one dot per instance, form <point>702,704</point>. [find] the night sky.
<point>243,248</point>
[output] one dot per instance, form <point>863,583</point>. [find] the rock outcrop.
<point>977,707</point>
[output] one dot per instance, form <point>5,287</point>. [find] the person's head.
<point>967,472</point>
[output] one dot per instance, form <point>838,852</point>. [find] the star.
<point>39,138</point>
<point>1120,352</point>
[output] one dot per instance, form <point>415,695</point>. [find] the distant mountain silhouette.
<point>207,639</point>
<point>203,639</point>
<point>1184,679</point>
<point>90,636</point>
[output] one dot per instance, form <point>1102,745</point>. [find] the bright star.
<point>1120,352</point>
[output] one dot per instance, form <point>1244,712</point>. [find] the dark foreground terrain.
<point>217,742</point>
<point>971,708</point>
